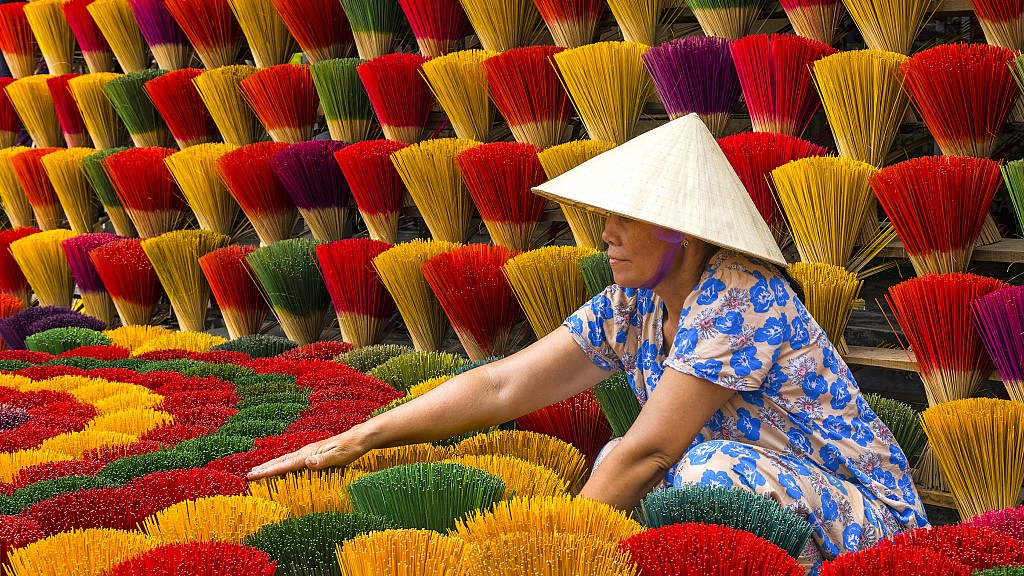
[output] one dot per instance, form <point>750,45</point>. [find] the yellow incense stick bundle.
<point>830,293</point>
<point>45,266</point>
<point>175,258</point>
<point>34,104</point>
<point>117,23</point>
<point>52,33</point>
<point>13,197</point>
<point>269,40</point>
<point>416,551</point>
<point>220,92</point>
<point>195,171</point>
<point>887,25</point>
<point>503,24</point>
<point>548,284</point>
<point>76,196</point>
<point>587,227</point>
<point>105,127</point>
<point>460,86</point>
<point>638,20</point>
<point>436,186</point>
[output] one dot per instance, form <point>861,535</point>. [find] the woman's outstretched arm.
<point>550,370</point>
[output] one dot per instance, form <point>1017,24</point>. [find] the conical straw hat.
<point>676,177</point>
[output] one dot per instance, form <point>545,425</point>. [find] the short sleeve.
<point>593,328</point>
<point>734,325</point>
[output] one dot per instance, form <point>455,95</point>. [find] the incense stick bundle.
<point>346,106</point>
<point>587,227</point>
<point>712,89</point>
<point>361,301</point>
<point>179,104</point>
<point>500,178</point>
<point>269,39</point>
<point>400,271</point>
<point>548,284</point>
<point>731,19</point>
<point>829,294</point>
<point>502,25</point>
<point>864,128</point>
<point>250,179</point>
<point>460,87</point>
<point>438,25</point>
<point>815,19</point>
<point>432,177</point>
<point>934,313</point>
<point>129,278</point>
<point>375,23</point>
<point>376,186</point>
<point>12,195</point>
<point>288,273</point>
<point>77,200</point>
<point>70,117</point>
<point>638,21</point>
<point>938,205</point>
<point>399,95</point>
<point>195,171</point>
<point>52,33</point>
<point>128,97</point>
<point>235,289</point>
<point>889,27</point>
<point>597,273</point>
<point>146,189</point>
<point>826,201</point>
<point>36,184</point>
<point>572,23</point>
<point>30,96</point>
<point>220,91</point>
<point>1002,22</point>
<point>12,280</point>
<point>90,286</point>
<point>999,319</point>
<point>476,297</point>
<point>115,20</point>
<point>608,85</point>
<point>105,127</point>
<point>101,185</point>
<point>526,90</point>
<point>17,43</point>
<point>284,99</point>
<point>324,37</point>
<point>44,265</point>
<point>964,93</point>
<point>175,257</point>
<point>168,43</point>
<point>211,28</point>
<point>95,49</point>
<point>774,71</point>
<point>1013,177</point>
<point>315,183</point>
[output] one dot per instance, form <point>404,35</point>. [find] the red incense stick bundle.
<point>95,48</point>
<point>572,23</point>
<point>815,19</point>
<point>577,420</point>
<point>284,99</point>
<point>147,190</point>
<point>234,287</point>
<point>324,37</point>
<point>211,28</point>
<point>376,186</point>
<point>12,280</point>
<point>399,95</point>
<point>17,42</point>
<point>68,114</point>
<point>527,91</point>
<point>439,25</point>
<point>129,278</point>
<point>10,122</point>
<point>361,302</point>
<point>250,179</point>
<point>177,100</point>
<point>36,184</point>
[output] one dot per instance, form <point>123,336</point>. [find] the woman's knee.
<point>717,463</point>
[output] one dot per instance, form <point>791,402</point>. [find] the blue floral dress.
<point>797,431</point>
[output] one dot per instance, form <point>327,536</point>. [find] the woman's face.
<point>633,250</point>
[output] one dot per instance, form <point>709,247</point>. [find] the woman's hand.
<point>334,451</point>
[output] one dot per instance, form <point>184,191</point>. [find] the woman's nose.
<point>610,232</point>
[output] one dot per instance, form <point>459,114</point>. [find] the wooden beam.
<point>894,359</point>
<point>936,498</point>
<point>1008,251</point>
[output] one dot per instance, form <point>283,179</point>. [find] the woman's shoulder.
<point>731,275</point>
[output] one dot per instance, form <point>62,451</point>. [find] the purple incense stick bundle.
<point>696,74</point>
<point>15,329</point>
<point>314,181</point>
<point>999,319</point>
<point>165,38</point>
<point>94,295</point>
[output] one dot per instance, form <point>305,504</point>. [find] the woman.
<point>739,386</point>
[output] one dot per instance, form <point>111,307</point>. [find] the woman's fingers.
<point>283,464</point>
<point>327,456</point>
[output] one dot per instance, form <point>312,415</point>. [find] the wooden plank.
<point>894,359</point>
<point>936,498</point>
<point>1008,251</point>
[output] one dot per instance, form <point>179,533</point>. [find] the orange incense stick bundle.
<point>68,114</point>
<point>324,37</point>
<point>376,186</point>
<point>572,23</point>
<point>95,49</point>
<point>177,100</point>
<point>235,289</point>
<point>361,301</point>
<point>12,280</point>
<point>10,123</point>
<point>211,28</point>
<point>17,42</point>
<point>36,184</point>
<point>284,99</point>
<point>129,278</point>
<point>248,175</point>
<point>399,95</point>
<point>527,92</point>
<point>147,190</point>
<point>439,25</point>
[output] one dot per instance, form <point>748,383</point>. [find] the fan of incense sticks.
<point>376,186</point>
<point>269,39</point>
<point>903,559</point>
<point>714,88</point>
<point>70,117</point>
<point>432,177</point>
<point>288,273</point>
<point>558,514</point>
<point>934,313</point>
<point>64,169</point>
<point>175,257</point>
<point>165,38</point>
<point>219,89</point>
<point>248,175</point>
<point>548,285</point>
<point>572,23</point>
<point>500,178</point>
<point>597,273</point>
<point>129,278</point>
<point>478,300</point>
<point>235,289</point>
<point>12,281</point>
<point>419,551</point>
<point>17,43</point>
<point>346,106</point>
<point>863,128</point>
<point>502,25</point>
<point>53,34</point>
<point>885,27</point>
<point>44,265</point>
<point>532,553</point>
<point>95,49</point>
<point>830,293</point>
<point>439,25</point>
<point>577,420</point>
<point>12,195</point>
<point>708,549</point>
<point>638,21</point>
<point>399,95</point>
<point>36,184</point>
<point>105,127</point>
<point>726,18</point>
<point>815,19</point>
<point>753,155</point>
<point>938,205</point>
<point>460,86</point>
<point>587,227</point>
<point>115,21</point>
<point>399,269</point>
<point>324,37</point>
<point>375,25</point>
<point>315,183</point>
<point>127,96</point>
<point>31,98</point>
<point>211,28</point>
<point>94,171</point>
<point>90,287</point>
<point>361,301</point>
<point>774,71</point>
<point>608,85</point>
<point>1002,22</point>
<point>146,189</point>
<point>526,90</point>
<point>999,319</point>
<point>284,99</point>
<point>195,171</point>
<point>179,104</point>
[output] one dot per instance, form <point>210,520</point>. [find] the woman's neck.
<point>681,282</point>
